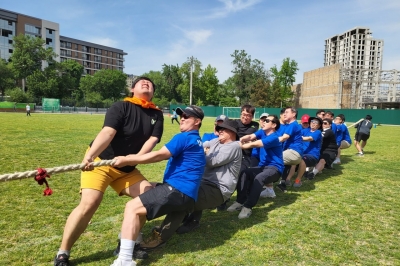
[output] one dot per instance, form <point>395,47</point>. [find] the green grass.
<point>347,216</point>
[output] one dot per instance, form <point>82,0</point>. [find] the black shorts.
<point>310,160</point>
<point>361,136</point>
<point>164,199</point>
<point>328,156</point>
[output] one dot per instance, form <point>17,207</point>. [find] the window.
<point>75,46</point>
<point>10,51</point>
<point>105,52</point>
<point>10,23</point>
<point>10,41</point>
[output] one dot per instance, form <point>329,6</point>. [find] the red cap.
<point>304,118</point>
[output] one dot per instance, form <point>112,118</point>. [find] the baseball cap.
<point>264,115</point>
<point>192,110</point>
<point>221,118</point>
<point>315,118</point>
<point>305,118</point>
<point>229,124</point>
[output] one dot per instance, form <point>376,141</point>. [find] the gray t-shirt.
<point>365,127</point>
<point>223,163</point>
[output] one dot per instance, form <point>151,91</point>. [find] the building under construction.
<point>352,76</point>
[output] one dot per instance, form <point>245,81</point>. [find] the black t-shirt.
<point>244,130</point>
<point>134,126</point>
<point>328,141</point>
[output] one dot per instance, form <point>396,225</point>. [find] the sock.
<point>60,252</point>
<point>315,171</point>
<point>126,250</point>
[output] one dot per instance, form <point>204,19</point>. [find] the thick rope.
<point>60,169</point>
<point>356,123</point>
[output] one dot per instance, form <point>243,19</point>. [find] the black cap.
<point>229,124</point>
<point>145,78</point>
<point>315,118</point>
<point>191,110</point>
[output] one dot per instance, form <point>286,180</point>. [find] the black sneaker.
<point>138,253</point>
<point>310,176</point>
<point>61,260</point>
<point>187,227</point>
<point>282,187</point>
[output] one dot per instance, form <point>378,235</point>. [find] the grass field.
<point>347,216</point>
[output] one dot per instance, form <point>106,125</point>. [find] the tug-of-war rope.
<point>40,174</point>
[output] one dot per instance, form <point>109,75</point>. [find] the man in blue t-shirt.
<point>270,168</point>
<point>292,144</point>
<point>312,138</point>
<point>345,140</point>
<point>179,190</point>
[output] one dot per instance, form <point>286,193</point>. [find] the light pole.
<point>191,60</point>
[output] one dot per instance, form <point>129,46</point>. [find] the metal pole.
<point>191,78</point>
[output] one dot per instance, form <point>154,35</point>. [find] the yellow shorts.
<point>102,177</point>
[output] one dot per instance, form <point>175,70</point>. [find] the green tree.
<point>259,93</point>
<point>7,78</point>
<point>285,77</point>
<point>172,79</point>
<point>17,95</point>
<point>227,93</point>
<point>209,85</point>
<point>184,88</point>
<point>28,54</point>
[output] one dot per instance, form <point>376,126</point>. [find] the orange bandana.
<point>141,102</point>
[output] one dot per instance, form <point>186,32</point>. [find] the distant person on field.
<point>132,126</point>
<point>174,117</point>
<point>362,134</point>
<point>345,141</point>
<point>210,136</point>
<point>28,110</point>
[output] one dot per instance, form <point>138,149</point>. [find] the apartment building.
<point>92,56</point>
<point>354,49</point>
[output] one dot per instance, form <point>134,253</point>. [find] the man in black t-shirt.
<point>133,126</point>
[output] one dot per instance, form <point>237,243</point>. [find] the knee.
<point>89,205</point>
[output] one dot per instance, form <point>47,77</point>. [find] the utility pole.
<point>191,61</point>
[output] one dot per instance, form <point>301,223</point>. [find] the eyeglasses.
<point>246,115</point>
<point>315,121</point>
<point>325,123</point>
<point>186,116</point>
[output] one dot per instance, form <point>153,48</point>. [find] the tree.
<point>259,93</point>
<point>28,54</point>
<point>17,95</point>
<point>172,79</point>
<point>184,88</point>
<point>7,80</point>
<point>285,77</point>
<point>227,93</point>
<point>209,85</point>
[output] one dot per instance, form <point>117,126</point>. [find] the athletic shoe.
<point>360,154</point>
<point>297,184</point>
<point>244,213</point>
<point>138,253</point>
<point>222,207</point>
<point>337,161</point>
<point>268,193</point>
<point>187,227</point>
<point>282,187</point>
<point>235,207</point>
<point>61,260</point>
<point>310,176</point>
<point>153,244</point>
<point>288,183</point>
<point>118,262</point>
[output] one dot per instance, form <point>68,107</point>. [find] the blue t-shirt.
<point>338,133</point>
<point>295,141</point>
<point>174,114</point>
<point>186,166</point>
<point>345,134</point>
<point>255,152</point>
<point>313,147</point>
<point>271,154</point>
<point>208,137</point>
<point>281,130</point>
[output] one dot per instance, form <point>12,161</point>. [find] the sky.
<point>157,32</point>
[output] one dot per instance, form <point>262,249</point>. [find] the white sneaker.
<point>336,161</point>
<point>235,207</point>
<point>268,193</point>
<point>119,262</point>
<point>244,213</point>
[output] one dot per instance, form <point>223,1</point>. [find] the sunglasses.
<point>325,123</point>
<point>267,120</point>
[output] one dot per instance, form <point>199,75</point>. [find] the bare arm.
<point>309,138</point>
<point>248,138</point>
<point>254,144</point>
<point>151,157</point>
<point>284,137</point>
<point>149,145</point>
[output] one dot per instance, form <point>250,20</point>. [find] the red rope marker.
<point>41,178</point>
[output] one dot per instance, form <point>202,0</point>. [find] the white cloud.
<point>198,36</point>
<point>232,6</point>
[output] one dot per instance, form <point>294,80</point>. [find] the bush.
<point>17,95</point>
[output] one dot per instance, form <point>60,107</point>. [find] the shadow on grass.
<point>216,228</point>
<point>98,256</point>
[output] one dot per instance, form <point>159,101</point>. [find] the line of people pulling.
<point>198,175</point>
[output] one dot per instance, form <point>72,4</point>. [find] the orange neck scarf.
<point>141,102</point>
